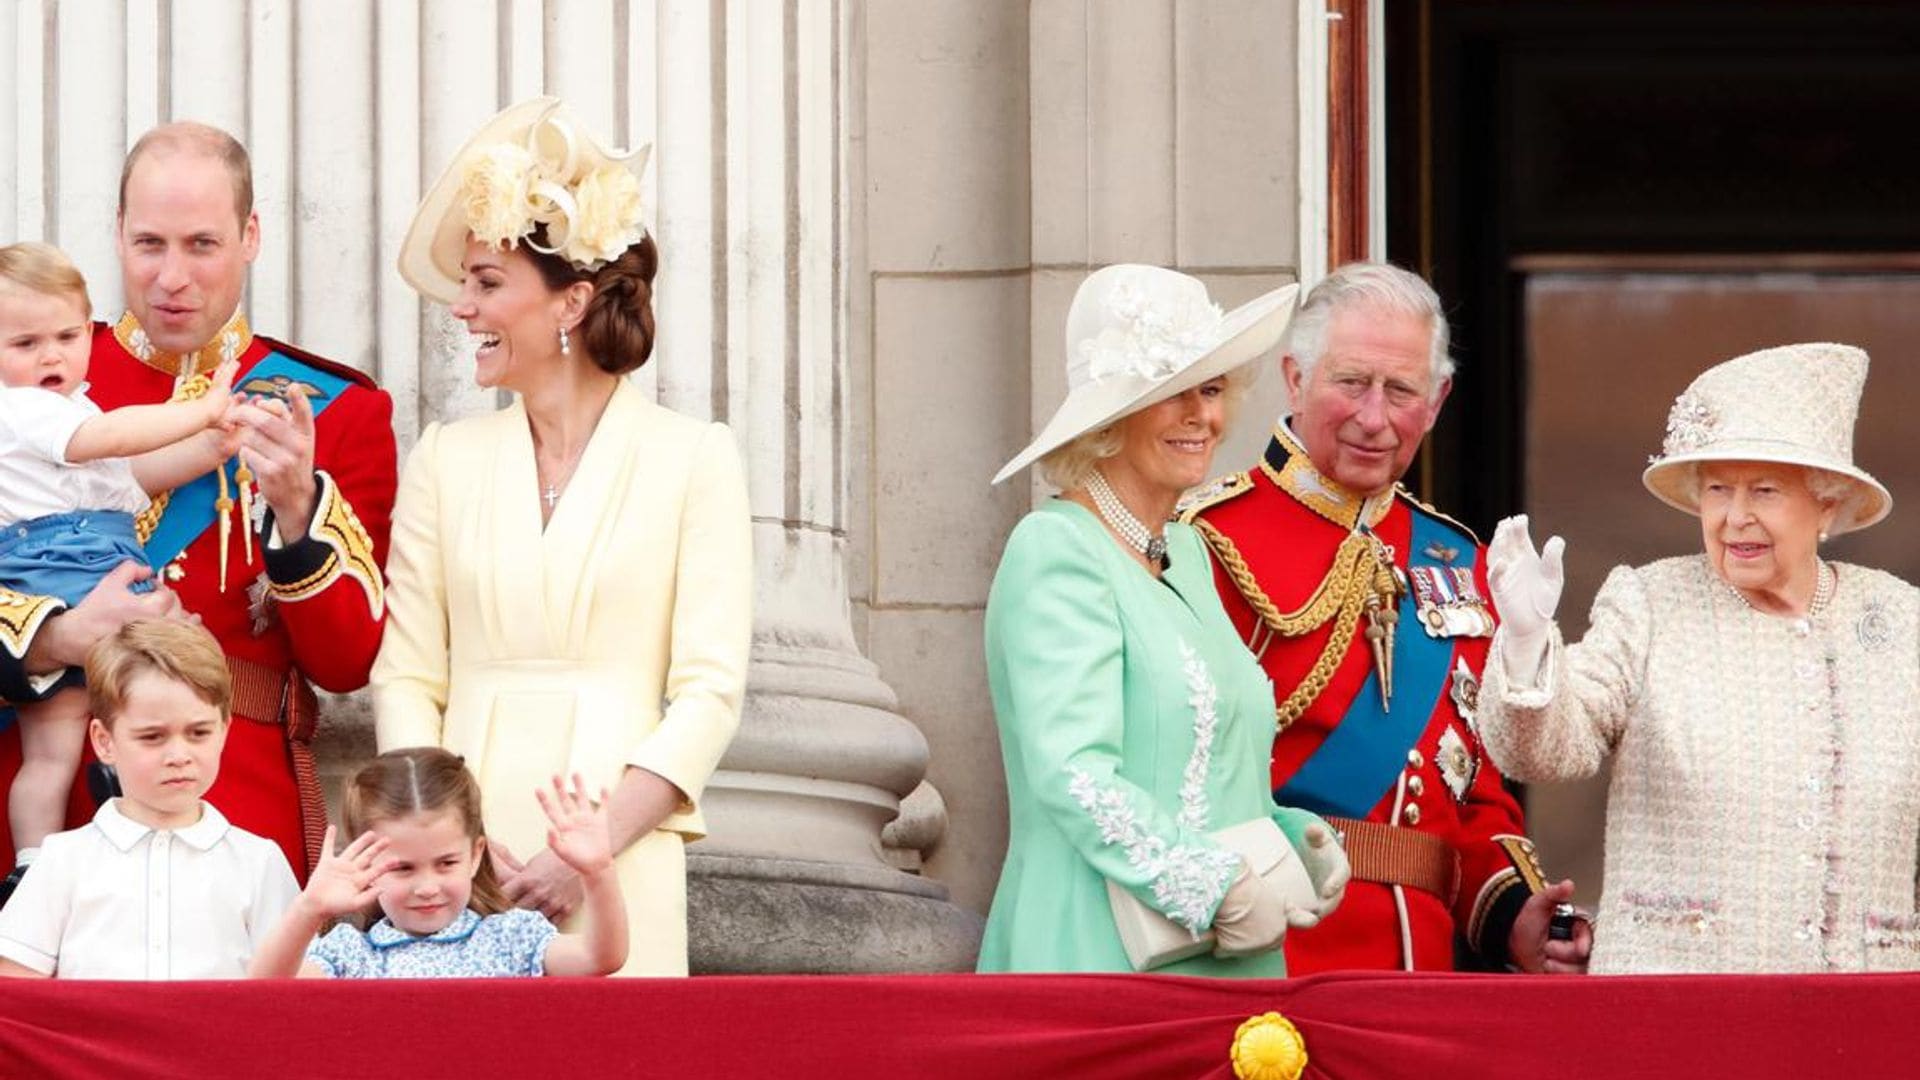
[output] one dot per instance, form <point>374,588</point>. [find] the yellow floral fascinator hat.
<point>1792,404</point>
<point>532,165</point>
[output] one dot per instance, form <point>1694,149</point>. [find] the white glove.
<point>1526,589</point>
<point>1327,866</point>
<point>1252,917</point>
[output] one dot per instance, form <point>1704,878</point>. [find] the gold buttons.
<point>1416,786</point>
<point>1411,813</point>
<point>1414,759</point>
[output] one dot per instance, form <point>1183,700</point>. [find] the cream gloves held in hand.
<point>1526,589</point>
<point>1256,913</point>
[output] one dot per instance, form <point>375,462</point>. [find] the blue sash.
<point>1363,756</point>
<point>190,509</point>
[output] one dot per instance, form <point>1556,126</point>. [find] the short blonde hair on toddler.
<point>44,269</point>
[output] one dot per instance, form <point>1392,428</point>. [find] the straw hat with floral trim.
<point>1793,404</point>
<point>533,164</point>
<point>1138,335</point>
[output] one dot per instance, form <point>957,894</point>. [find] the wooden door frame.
<point>1342,134</point>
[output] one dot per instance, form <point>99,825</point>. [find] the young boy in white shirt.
<point>159,885</point>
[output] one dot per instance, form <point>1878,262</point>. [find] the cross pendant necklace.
<point>550,495</point>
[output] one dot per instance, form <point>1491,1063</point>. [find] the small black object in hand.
<point>1561,927</point>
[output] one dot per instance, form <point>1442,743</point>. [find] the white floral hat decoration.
<point>1137,335</point>
<point>531,165</point>
<point>1793,404</point>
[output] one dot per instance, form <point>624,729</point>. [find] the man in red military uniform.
<point>1369,611</point>
<point>279,553</point>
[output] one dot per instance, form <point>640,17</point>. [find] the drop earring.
<point>566,345</point>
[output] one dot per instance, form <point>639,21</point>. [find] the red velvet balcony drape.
<point>1109,1027</point>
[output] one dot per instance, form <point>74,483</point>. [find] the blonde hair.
<point>180,652</point>
<point>43,269</point>
<point>424,780</point>
<point>1067,466</point>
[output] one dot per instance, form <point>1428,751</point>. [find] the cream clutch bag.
<point>1152,940</point>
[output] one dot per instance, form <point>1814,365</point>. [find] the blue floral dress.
<point>471,946</point>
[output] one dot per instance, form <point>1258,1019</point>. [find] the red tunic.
<point>327,607</point>
<point>1288,548</point>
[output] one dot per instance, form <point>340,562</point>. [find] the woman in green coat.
<point>1133,723</point>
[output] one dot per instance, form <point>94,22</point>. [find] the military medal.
<point>1457,763</point>
<point>1465,692</point>
<point>1449,602</point>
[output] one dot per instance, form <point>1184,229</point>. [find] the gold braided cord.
<point>1321,673</point>
<point>149,519</point>
<point>1349,563</point>
<point>1360,571</point>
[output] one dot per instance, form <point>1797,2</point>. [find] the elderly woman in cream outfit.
<point>571,575</point>
<point>1762,704</point>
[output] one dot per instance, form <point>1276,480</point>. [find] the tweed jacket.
<point>1763,814</point>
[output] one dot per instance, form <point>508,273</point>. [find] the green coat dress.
<point>1133,723</point>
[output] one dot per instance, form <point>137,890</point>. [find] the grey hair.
<point>1379,287</point>
<point>1066,467</point>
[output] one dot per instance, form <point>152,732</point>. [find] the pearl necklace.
<point>1130,528</point>
<point>1823,584</point>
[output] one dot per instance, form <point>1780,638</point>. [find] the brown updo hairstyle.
<point>617,329</point>
<point>423,780</point>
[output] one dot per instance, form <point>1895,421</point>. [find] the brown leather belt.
<point>267,696</point>
<point>1391,856</point>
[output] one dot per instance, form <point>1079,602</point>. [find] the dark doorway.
<point>1611,127</point>
<point>1612,195</point>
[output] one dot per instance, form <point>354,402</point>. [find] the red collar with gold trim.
<point>230,343</point>
<point>1286,463</point>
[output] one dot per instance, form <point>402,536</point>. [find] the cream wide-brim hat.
<point>436,241</point>
<point>1167,346</point>
<point>1793,405</point>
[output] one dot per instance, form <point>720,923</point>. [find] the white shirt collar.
<point>124,832</point>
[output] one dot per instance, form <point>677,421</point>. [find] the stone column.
<point>795,876</point>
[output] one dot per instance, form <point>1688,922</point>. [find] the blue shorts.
<point>66,555</point>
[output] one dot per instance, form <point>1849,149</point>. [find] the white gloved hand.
<point>1526,589</point>
<point>1251,919</point>
<point>1328,868</point>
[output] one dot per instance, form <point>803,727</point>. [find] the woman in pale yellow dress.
<point>571,576</point>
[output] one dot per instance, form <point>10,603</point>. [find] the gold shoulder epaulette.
<point>1212,493</point>
<point>1401,490</point>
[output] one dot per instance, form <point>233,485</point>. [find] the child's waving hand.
<point>344,883</point>
<point>579,833</point>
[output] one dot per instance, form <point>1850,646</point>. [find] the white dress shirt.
<point>115,899</point>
